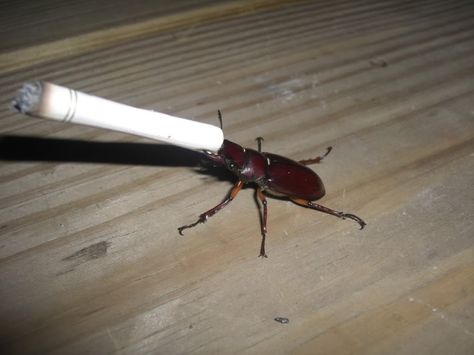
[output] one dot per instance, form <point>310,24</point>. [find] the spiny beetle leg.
<point>316,160</point>
<point>321,208</point>
<point>264,213</point>
<point>204,217</point>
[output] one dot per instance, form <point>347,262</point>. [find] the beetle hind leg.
<point>354,218</point>
<point>320,208</point>
<point>316,160</point>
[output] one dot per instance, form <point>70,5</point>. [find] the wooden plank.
<point>90,257</point>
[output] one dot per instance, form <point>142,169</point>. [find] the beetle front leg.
<point>204,217</point>
<point>263,200</point>
<point>316,160</point>
<point>315,206</point>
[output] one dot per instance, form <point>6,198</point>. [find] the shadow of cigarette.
<point>26,148</point>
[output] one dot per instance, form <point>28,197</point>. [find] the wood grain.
<point>90,257</point>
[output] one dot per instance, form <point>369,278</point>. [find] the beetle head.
<point>234,155</point>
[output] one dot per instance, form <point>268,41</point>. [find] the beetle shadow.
<point>206,168</point>
<point>36,149</point>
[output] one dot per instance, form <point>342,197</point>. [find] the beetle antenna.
<point>219,115</point>
<point>259,143</point>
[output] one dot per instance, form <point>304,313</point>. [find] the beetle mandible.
<point>273,175</point>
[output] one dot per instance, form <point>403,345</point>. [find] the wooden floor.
<point>90,258</point>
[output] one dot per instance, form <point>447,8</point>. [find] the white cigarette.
<point>50,101</point>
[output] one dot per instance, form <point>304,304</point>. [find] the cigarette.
<point>46,100</point>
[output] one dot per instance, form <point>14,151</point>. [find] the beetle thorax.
<point>254,169</point>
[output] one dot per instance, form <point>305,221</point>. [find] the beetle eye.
<point>232,166</point>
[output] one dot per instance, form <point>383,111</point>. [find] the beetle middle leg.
<point>316,160</point>
<point>204,217</point>
<point>263,200</point>
<point>259,143</point>
<point>315,206</point>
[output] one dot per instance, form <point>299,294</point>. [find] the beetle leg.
<point>259,143</point>
<point>263,200</point>
<point>316,160</point>
<point>204,217</point>
<point>315,206</point>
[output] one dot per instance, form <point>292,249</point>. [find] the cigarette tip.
<point>28,97</point>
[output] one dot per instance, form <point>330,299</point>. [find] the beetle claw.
<point>202,218</point>
<point>180,229</point>
<point>354,218</point>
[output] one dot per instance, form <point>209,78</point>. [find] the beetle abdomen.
<point>290,178</point>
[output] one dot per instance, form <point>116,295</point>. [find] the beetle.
<point>273,175</point>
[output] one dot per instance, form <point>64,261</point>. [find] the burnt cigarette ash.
<point>28,97</point>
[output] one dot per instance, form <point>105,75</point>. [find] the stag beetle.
<point>274,175</point>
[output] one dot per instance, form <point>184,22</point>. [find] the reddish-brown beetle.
<point>273,174</point>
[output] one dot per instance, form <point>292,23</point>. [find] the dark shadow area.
<point>24,148</point>
<point>30,149</point>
